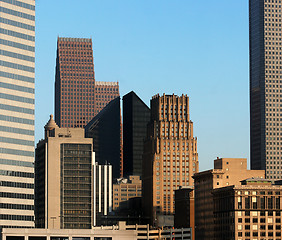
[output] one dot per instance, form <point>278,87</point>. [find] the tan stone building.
<point>170,156</point>
<point>250,211</point>
<point>227,171</point>
<point>126,189</point>
<point>63,179</point>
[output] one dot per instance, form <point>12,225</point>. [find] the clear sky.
<point>199,48</point>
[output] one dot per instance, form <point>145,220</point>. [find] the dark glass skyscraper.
<point>136,115</point>
<point>104,128</point>
<point>266,86</point>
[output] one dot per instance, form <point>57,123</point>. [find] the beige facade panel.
<point>21,9</point>
<point>17,136</point>
<point>17,71</point>
<point>16,179</point>
<point>18,40</point>
<point>16,223</point>
<point>16,168</point>
<point>17,82</point>
<point>17,212</point>
<point>18,201</point>
<point>18,115</point>
<point>17,61</point>
<point>17,157</point>
<point>19,51</point>
<point>18,190</point>
<point>17,125</point>
<point>27,105</point>
<point>19,147</point>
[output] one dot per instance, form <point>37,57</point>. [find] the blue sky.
<point>199,48</point>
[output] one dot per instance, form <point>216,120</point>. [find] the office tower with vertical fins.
<point>170,157</point>
<point>74,82</point>
<point>17,62</point>
<point>266,86</point>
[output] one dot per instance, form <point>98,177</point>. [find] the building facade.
<point>124,190</point>
<point>74,82</point>
<point>185,209</point>
<point>227,171</point>
<point>265,86</point>
<point>113,232</point>
<point>104,93</point>
<point>170,156</point>
<point>104,129</point>
<point>248,211</point>
<point>136,116</point>
<point>17,63</point>
<point>103,192</point>
<point>63,179</point>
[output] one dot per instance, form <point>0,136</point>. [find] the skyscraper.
<point>74,82</point>
<point>170,156</point>
<point>17,62</point>
<point>266,86</point>
<point>64,180</point>
<point>104,128</point>
<point>136,116</point>
<point>104,93</point>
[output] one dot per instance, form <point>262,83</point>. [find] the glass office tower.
<point>17,60</point>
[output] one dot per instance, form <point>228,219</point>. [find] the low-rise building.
<point>118,232</point>
<point>248,211</point>
<point>227,171</point>
<point>126,189</point>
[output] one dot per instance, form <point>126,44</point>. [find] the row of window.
<point>16,109</point>
<point>17,56</point>
<point>16,217</point>
<point>18,14</point>
<point>75,45</point>
<point>16,163</point>
<point>72,53</point>
<point>17,152</point>
<point>17,24</point>
<point>17,34</point>
<point>16,195</point>
<point>16,119</point>
<point>75,67</point>
<point>16,77</point>
<point>16,184</point>
<point>16,87</point>
<point>16,206</point>
<point>17,66</point>
<point>16,174</point>
<point>19,4</point>
<point>77,74</point>
<point>17,45</point>
<point>17,98</point>
<point>69,60</point>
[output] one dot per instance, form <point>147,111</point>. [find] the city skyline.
<point>203,47</point>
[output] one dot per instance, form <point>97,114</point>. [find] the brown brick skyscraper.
<point>170,156</point>
<point>104,93</point>
<point>74,82</point>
